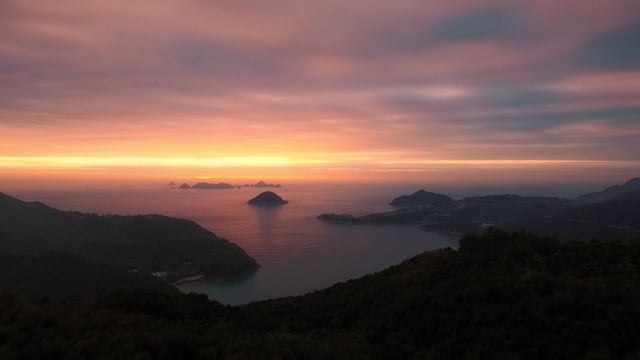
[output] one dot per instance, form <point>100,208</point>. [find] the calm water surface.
<point>297,252</point>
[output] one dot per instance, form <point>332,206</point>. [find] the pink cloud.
<point>331,77</point>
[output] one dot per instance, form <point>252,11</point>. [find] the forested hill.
<point>64,276</point>
<point>500,296</point>
<point>170,247</point>
<point>609,193</point>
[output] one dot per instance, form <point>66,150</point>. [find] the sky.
<point>344,90</point>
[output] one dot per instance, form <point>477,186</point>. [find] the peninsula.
<point>612,217</point>
<point>165,247</point>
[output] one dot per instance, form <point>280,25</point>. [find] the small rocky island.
<point>206,185</point>
<point>267,199</point>
<point>262,184</point>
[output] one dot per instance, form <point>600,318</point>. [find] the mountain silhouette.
<point>268,199</point>
<point>421,197</point>
<point>608,193</point>
<point>145,243</point>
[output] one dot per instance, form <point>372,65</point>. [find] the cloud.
<point>479,24</point>
<point>617,49</point>
<point>413,79</point>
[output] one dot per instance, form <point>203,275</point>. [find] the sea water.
<point>297,252</point>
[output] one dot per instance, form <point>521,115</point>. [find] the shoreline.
<point>188,279</point>
<point>203,277</point>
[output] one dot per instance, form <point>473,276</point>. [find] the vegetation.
<point>618,217</point>
<point>421,197</point>
<point>466,215</point>
<point>615,218</point>
<point>500,296</point>
<point>609,193</point>
<point>59,275</point>
<point>171,247</point>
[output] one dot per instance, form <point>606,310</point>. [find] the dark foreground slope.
<point>62,276</point>
<point>170,247</point>
<point>500,296</point>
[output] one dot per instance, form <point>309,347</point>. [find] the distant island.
<point>262,184</point>
<point>613,216</point>
<point>267,199</point>
<point>421,197</point>
<point>223,185</point>
<point>206,186</point>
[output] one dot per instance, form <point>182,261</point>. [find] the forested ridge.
<point>500,296</point>
<point>144,244</point>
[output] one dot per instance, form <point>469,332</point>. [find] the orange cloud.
<point>301,89</point>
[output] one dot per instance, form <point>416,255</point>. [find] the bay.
<point>297,252</point>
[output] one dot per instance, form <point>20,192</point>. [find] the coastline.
<point>203,277</point>
<point>188,279</point>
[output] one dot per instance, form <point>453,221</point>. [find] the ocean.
<point>297,252</point>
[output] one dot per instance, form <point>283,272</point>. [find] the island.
<point>421,197</point>
<point>262,184</point>
<point>267,199</point>
<point>205,185</point>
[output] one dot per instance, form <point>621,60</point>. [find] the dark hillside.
<point>59,275</point>
<point>421,197</point>
<point>608,193</point>
<point>500,296</point>
<point>146,243</point>
<point>616,218</point>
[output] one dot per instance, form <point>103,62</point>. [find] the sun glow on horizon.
<point>272,161</point>
<point>124,161</point>
<point>255,92</point>
<point>338,167</point>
